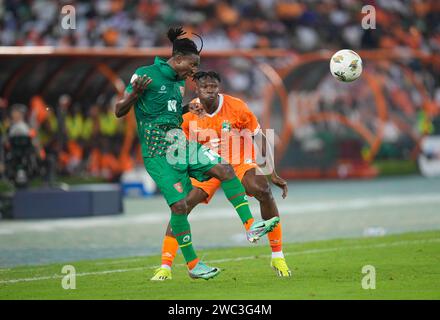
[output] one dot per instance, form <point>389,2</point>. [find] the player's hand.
<point>280,183</point>
<point>141,83</point>
<point>197,109</point>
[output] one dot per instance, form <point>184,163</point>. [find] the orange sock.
<point>248,223</point>
<point>275,237</point>
<point>169,250</point>
<point>192,263</point>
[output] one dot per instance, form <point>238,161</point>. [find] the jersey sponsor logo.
<point>178,187</point>
<point>182,90</point>
<point>163,89</point>
<point>186,238</point>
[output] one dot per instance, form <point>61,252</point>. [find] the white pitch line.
<point>58,276</point>
<point>11,228</point>
<point>312,251</point>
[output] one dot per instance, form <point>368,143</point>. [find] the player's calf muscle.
<point>262,192</point>
<point>256,185</point>
<point>180,207</point>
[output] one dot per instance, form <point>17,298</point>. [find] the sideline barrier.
<point>78,201</point>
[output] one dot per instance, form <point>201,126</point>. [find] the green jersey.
<point>159,108</point>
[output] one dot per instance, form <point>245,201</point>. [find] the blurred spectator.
<point>3,130</point>
<point>18,127</point>
<point>22,161</point>
<point>105,146</point>
<point>64,103</point>
<point>298,25</point>
<point>109,126</point>
<point>301,25</point>
<point>73,154</point>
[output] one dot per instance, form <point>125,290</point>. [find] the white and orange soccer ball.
<point>346,65</point>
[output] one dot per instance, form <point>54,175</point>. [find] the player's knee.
<point>226,172</point>
<point>180,207</point>
<point>196,196</point>
<point>191,206</point>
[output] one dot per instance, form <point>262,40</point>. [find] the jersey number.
<point>172,105</point>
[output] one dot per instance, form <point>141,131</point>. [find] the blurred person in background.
<point>63,107</point>
<point>73,155</point>
<point>18,126</point>
<point>105,147</point>
<point>3,131</point>
<point>22,160</point>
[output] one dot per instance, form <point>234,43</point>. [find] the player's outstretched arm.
<point>124,105</point>
<point>270,163</point>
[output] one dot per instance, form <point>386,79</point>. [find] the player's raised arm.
<point>123,106</point>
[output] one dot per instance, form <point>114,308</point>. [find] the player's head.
<point>207,85</point>
<point>186,56</point>
<point>18,112</point>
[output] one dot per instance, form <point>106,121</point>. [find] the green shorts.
<point>172,175</point>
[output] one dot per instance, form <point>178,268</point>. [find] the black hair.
<point>183,46</point>
<point>207,74</point>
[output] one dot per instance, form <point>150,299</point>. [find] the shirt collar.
<point>219,106</point>
<point>165,68</point>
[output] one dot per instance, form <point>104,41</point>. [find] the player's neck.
<point>210,106</point>
<point>172,63</point>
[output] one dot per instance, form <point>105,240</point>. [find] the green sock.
<point>182,232</point>
<point>236,195</point>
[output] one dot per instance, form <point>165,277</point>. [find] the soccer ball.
<point>346,65</point>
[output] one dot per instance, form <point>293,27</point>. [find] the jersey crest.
<point>178,187</point>
<point>226,126</point>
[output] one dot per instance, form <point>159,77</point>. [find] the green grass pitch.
<point>407,266</point>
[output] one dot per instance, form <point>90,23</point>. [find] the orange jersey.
<point>228,131</point>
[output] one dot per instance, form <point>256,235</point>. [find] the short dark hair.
<point>183,46</point>
<point>207,74</point>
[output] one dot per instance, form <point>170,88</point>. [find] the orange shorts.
<point>210,186</point>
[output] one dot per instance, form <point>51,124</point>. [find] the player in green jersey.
<point>156,93</point>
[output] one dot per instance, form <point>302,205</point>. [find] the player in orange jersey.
<point>228,126</point>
